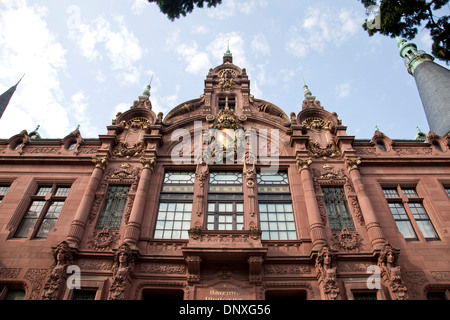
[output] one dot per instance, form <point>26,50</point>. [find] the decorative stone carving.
<point>47,150</point>
<point>255,269</point>
<point>255,232</point>
<point>226,81</point>
<point>353,200</point>
<point>104,239</point>
<point>415,280</point>
<point>331,150</point>
<point>193,266</point>
<point>124,262</point>
<point>352,163</point>
<point>169,268</point>
<point>326,274</point>
<point>148,163</point>
<point>139,123</point>
<point>58,274</point>
<point>391,273</point>
<point>249,171</point>
<point>100,162</point>
<point>224,273</point>
<point>122,149</point>
<point>303,163</point>
<point>286,269</point>
<point>9,273</point>
<point>316,124</point>
<point>442,276</point>
<point>226,119</point>
<point>347,241</point>
<point>36,277</point>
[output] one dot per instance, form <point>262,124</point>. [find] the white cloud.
<point>320,28</point>
<point>200,29</point>
<point>121,46</point>
<point>343,90</point>
<point>228,8</point>
<point>78,108</point>
<point>222,11</point>
<point>260,45</point>
<point>427,41</point>
<point>139,6</point>
<point>28,46</point>
<point>237,47</point>
<point>197,62</point>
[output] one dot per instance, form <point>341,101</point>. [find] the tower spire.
<point>228,56</point>
<point>433,84</point>
<point>7,95</point>
<point>146,94</point>
<point>308,95</point>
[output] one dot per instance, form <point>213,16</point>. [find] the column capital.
<point>148,163</point>
<point>303,163</point>
<point>100,162</point>
<point>352,163</point>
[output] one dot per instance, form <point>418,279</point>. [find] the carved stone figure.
<point>391,273</point>
<point>58,274</point>
<point>326,274</point>
<point>123,266</point>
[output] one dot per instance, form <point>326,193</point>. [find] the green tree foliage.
<point>176,8</point>
<point>398,18</point>
<point>403,18</point>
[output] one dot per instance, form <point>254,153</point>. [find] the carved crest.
<point>348,241</point>
<point>226,81</point>
<point>317,151</point>
<point>123,150</point>
<point>103,239</point>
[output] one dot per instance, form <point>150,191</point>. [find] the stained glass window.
<point>339,216</point>
<point>114,207</point>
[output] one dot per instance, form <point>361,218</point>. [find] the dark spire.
<point>6,97</point>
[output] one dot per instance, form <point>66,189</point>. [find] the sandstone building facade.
<point>185,206</point>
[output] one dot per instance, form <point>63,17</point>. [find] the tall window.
<point>45,207</point>
<point>3,190</point>
<point>275,207</point>
<point>114,207</point>
<point>175,207</point>
<point>226,101</point>
<point>409,213</point>
<point>225,201</point>
<point>339,216</point>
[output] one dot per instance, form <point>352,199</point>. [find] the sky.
<point>84,61</point>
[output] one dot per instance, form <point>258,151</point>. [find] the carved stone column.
<point>133,228</point>
<point>249,175</point>
<point>374,230</point>
<point>315,221</point>
<point>78,225</point>
<point>201,176</point>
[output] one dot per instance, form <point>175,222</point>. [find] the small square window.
<point>390,193</point>
<point>410,193</point>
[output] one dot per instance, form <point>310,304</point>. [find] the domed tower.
<point>433,83</point>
